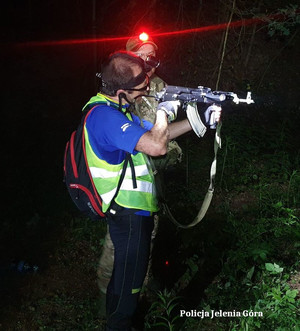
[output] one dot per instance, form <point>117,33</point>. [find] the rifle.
<point>200,94</point>
<point>188,96</point>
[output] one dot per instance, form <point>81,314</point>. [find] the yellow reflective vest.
<point>106,176</point>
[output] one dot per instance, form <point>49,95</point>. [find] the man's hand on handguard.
<point>170,108</point>
<point>212,115</point>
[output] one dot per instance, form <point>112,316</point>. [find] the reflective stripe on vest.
<point>104,173</point>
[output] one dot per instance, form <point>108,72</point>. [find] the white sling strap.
<point>209,194</point>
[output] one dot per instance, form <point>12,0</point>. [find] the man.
<point>145,107</point>
<point>146,50</point>
<point>144,47</point>
<point>112,133</point>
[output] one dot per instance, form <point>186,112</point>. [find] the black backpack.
<point>78,178</point>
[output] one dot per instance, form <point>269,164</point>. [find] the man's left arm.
<point>176,129</point>
<point>179,128</point>
<point>212,116</point>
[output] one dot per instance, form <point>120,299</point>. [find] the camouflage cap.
<point>134,43</point>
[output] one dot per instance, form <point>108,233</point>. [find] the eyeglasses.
<point>145,56</point>
<point>144,88</point>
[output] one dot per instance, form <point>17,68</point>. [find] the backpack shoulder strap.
<point>128,157</point>
<point>114,207</point>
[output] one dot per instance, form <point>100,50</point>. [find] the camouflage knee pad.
<point>106,263</point>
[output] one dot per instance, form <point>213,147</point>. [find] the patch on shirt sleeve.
<point>125,126</point>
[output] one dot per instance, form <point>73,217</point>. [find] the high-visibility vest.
<point>106,176</point>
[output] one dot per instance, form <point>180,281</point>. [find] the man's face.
<point>139,90</point>
<point>143,52</point>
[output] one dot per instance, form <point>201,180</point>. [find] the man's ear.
<point>124,93</point>
<point>120,92</point>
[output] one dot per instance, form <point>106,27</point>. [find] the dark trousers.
<point>131,236</point>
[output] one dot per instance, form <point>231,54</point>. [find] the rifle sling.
<point>208,197</point>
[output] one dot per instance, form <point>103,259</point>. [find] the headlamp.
<point>144,36</point>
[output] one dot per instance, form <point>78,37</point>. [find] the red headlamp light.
<point>144,36</point>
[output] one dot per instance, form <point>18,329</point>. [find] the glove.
<point>212,115</point>
<point>170,108</point>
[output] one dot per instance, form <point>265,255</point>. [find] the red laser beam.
<point>215,27</point>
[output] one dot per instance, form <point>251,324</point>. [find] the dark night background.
<point>45,86</point>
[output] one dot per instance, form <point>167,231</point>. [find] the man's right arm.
<point>154,142</point>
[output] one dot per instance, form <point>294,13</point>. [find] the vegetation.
<point>246,250</point>
<point>259,206</point>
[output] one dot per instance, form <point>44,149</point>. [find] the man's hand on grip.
<point>170,108</point>
<point>212,115</point>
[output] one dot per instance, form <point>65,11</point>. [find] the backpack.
<point>78,178</point>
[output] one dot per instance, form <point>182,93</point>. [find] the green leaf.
<point>273,267</point>
<point>278,205</point>
<point>175,318</point>
<point>161,324</point>
<point>291,293</point>
<point>227,285</point>
<point>171,308</point>
<point>250,273</point>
